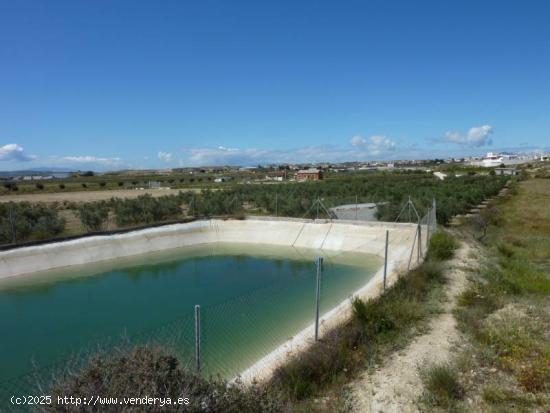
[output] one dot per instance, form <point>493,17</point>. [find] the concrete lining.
<point>333,237</point>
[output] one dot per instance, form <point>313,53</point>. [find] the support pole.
<point>386,258</point>
<point>412,250</point>
<point>317,207</point>
<point>428,224</point>
<point>356,207</point>
<point>276,204</point>
<point>319,263</point>
<point>198,338</point>
<point>435,215</point>
<point>419,242</point>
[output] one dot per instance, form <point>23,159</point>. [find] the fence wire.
<point>250,321</point>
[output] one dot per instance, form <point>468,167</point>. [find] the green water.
<point>252,300</point>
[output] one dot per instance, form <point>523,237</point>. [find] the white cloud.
<point>476,136</point>
<point>363,149</point>
<point>233,156</point>
<point>375,145</point>
<point>165,156</point>
<point>358,141</point>
<point>87,159</point>
<point>14,152</point>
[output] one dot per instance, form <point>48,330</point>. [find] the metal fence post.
<point>276,204</point>
<point>428,225</point>
<point>412,250</point>
<point>386,258</point>
<point>319,262</point>
<point>356,207</point>
<point>198,337</point>
<point>419,247</point>
<point>435,215</point>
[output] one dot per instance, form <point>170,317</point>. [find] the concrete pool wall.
<point>332,237</point>
<point>328,236</point>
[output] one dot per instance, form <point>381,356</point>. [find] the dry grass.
<point>505,311</point>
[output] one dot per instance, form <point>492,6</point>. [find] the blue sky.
<point>114,84</point>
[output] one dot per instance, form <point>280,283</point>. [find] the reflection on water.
<point>254,297</point>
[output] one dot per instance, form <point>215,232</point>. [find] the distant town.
<point>503,162</point>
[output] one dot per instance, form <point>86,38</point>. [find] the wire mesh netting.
<point>256,323</point>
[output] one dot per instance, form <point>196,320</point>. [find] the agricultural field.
<point>77,213</point>
<point>106,182</point>
<point>87,196</point>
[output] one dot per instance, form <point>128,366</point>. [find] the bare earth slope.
<point>396,385</point>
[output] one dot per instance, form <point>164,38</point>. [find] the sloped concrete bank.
<point>329,236</point>
<point>332,238</point>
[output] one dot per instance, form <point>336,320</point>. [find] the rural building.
<point>222,179</point>
<point>506,171</point>
<point>276,176</point>
<point>309,175</point>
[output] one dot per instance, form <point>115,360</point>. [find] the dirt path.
<point>396,385</point>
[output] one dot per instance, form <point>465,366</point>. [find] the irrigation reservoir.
<point>254,280</point>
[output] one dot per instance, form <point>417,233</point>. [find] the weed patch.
<point>442,246</point>
<point>376,326</point>
<point>147,371</point>
<point>441,386</point>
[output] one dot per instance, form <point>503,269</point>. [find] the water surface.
<point>252,299</point>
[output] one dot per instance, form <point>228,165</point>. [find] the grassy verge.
<point>505,312</point>
<point>314,380</point>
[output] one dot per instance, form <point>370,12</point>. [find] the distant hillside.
<point>36,171</point>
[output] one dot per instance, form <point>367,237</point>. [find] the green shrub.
<point>24,221</point>
<point>441,386</point>
<point>152,372</point>
<point>505,249</point>
<point>442,246</point>
<point>11,186</point>
<point>146,209</point>
<point>93,215</point>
